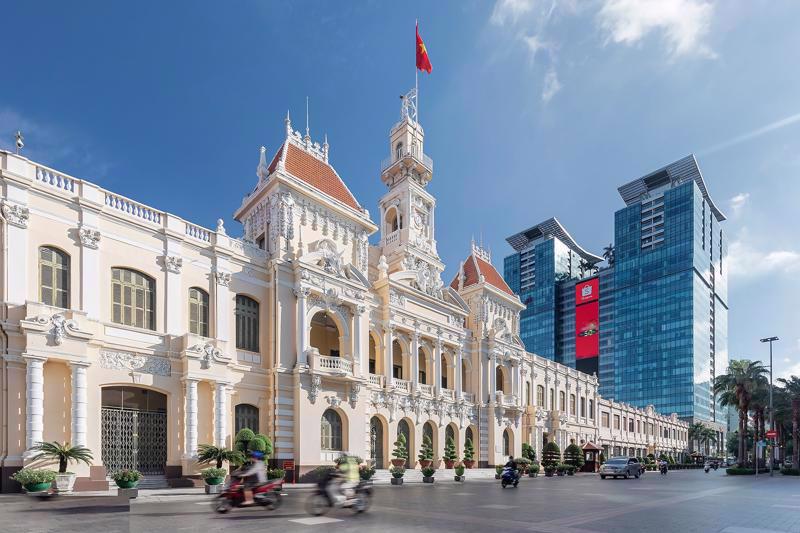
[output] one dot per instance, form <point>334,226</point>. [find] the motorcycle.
<point>320,501</point>
<point>663,469</point>
<point>266,495</point>
<point>509,477</point>
<point>707,468</point>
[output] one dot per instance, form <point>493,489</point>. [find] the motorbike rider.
<point>343,480</point>
<point>254,474</point>
<point>512,464</point>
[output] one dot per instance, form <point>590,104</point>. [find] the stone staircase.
<point>383,477</point>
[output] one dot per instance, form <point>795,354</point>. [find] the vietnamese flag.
<point>423,61</point>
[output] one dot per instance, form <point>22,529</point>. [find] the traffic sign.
<point>771,434</point>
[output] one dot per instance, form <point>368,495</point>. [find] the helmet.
<point>255,454</point>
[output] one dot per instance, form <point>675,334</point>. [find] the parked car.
<point>621,467</point>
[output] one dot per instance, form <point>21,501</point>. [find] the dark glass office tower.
<point>670,293</point>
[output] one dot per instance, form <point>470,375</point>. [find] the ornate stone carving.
<point>355,389</point>
<point>222,278</point>
<point>60,326</point>
<point>331,261</point>
<point>90,238</point>
<point>302,292</point>
<point>16,215</point>
<point>145,364</point>
<point>173,263</point>
<point>334,401</point>
<point>383,267</point>
<point>313,391</point>
<point>208,354</point>
<point>396,298</point>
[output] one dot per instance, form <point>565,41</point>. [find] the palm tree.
<point>208,453</point>
<point>695,430</point>
<point>736,387</point>
<point>608,254</point>
<point>64,454</point>
<point>708,436</point>
<point>792,388</point>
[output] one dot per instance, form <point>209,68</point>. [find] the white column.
<point>220,414</point>
<point>301,327</point>
<point>492,378</point>
<point>190,448</point>
<point>79,403</point>
<point>515,383</point>
<point>34,401</point>
<point>437,368</point>
<point>457,373</point>
<point>387,355</point>
<point>414,361</point>
<point>360,355</point>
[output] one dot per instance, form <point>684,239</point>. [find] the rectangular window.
<point>591,410</point>
<point>246,323</point>
<point>616,421</point>
<point>54,277</point>
<point>583,407</point>
<point>604,419</point>
<point>198,312</point>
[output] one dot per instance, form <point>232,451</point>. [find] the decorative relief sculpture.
<point>146,364</point>
<point>313,391</point>
<point>60,326</point>
<point>355,389</point>
<point>334,401</point>
<point>397,298</point>
<point>16,215</point>
<point>222,278</point>
<point>173,263</point>
<point>90,238</point>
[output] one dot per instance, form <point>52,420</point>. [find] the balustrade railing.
<point>132,208</point>
<point>425,389</point>
<point>54,179</point>
<point>326,362</point>
<point>448,394</point>
<point>426,161</point>
<point>401,385</point>
<point>376,380</point>
<point>198,232</point>
<point>468,397</point>
<point>391,238</point>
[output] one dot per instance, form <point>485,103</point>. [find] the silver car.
<point>621,467</point>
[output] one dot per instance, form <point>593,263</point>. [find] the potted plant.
<point>213,476</point>
<point>528,452</point>
<point>365,472</point>
<point>425,455</point>
<point>400,453</point>
<point>498,471</point>
<point>64,454</point>
<point>242,439</point>
<point>524,464</point>
<point>533,470</point>
<point>450,454</point>
<point>397,474</point>
<point>459,471</point>
<point>34,480</point>
<point>469,454</point>
<point>551,457</point>
<point>276,473</point>
<point>427,474</point>
<point>561,470</point>
<point>209,454</point>
<point>573,455</point>
<point>126,479</point>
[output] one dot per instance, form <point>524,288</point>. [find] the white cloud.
<point>536,44</point>
<point>684,23</point>
<point>746,262</point>
<point>738,202</point>
<point>789,371</point>
<point>758,132</point>
<point>510,10</point>
<point>551,85</point>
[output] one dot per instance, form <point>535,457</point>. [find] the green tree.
<point>450,453</point>
<point>551,455</point>
<point>400,447</point>
<point>208,453</point>
<point>469,450</point>
<point>736,388</point>
<point>242,439</point>
<point>573,455</point>
<point>426,450</point>
<point>63,453</point>
<point>695,430</point>
<point>791,387</point>
<point>528,452</point>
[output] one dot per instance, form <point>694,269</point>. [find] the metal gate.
<point>376,442</point>
<point>134,439</point>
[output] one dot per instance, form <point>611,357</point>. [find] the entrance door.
<point>134,430</point>
<point>376,441</point>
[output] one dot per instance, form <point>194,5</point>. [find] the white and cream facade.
<point>142,335</point>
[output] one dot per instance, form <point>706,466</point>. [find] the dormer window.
<point>398,151</point>
<point>392,220</point>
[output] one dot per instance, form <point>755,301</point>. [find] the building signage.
<point>587,291</point>
<point>587,325</point>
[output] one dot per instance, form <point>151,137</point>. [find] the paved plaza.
<point>680,502</point>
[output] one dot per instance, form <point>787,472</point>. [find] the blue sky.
<point>534,109</point>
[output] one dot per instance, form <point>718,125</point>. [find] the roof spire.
<point>307,138</point>
<point>325,148</point>
<point>262,171</point>
<point>288,122</point>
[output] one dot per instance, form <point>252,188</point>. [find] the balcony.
<point>468,397</point>
<point>326,364</point>
<point>449,394</point>
<point>427,390</point>
<point>375,380</point>
<point>506,400</point>
<point>390,161</point>
<point>401,385</point>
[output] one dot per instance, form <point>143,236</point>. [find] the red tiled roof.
<point>473,268</point>
<point>314,172</point>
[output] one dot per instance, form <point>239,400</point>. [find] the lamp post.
<point>770,340</point>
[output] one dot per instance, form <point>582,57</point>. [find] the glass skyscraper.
<point>662,306</point>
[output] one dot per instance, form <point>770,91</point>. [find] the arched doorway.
<point>325,335</point>
<point>133,429</point>
<point>404,429</point>
<point>429,430</point>
<point>508,443</point>
<point>500,381</point>
<point>376,441</point>
<point>451,432</point>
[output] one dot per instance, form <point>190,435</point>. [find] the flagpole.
<point>416,72</point>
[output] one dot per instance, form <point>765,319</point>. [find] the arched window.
<point>507,442</point>
<point>449,433</point>
<point>498,374</point>
<point>54,277</point>
<point>325,335</point>
<point>246,323</point>
<point>331,430</point>
<point>540,397</point>
<point>468,436</point>
<point>246,416</point>
<point>573,408</point>
<point>397,360</point>
<point>198,312</point>
<point>392,220</point>
<point>422,366</point>
<point>398,151</point>
<point>405,430</point>
<point>373,356</point>
<point>562,400</point>
<point>133,298</point>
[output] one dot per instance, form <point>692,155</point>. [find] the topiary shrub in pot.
<point>365,472</point>
<point>498,471</point>
<point>551,458</point>
<point>126,479</point>
<point>213,475</point>
<point>276,473</point>
<point>400,453</point>
<point>469,454</point>
<point>425,456</point>
<point>64,454</point>
<point>524,464</point>
<point>459,471</point>
<point>397,474</point>
<point>450,454</point>
<point>561,470</point>
<point>34,479</point>
<point>533,470</point>
<point>573,455</point>
<point>528,452</point>
<point>427,474</point>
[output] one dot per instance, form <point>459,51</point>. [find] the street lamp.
<point>770,340</point>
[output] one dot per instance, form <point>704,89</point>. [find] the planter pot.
<point>38,487</point>
<point>533,474</point>
<point>126,484</point>
<point>398,462</point>
<point>213,489</point>
<point>425,463</point>
<point>397,481</point>
<point>469,463</point>
<point>64,482</point>
<point>497,476</point>
<point>449,464</point>
<point>460,478</point>
<point>548,474</point>
<point>214,480</point>
<point>560,474</point>
<point>426,479</point>
<point>570,473</point>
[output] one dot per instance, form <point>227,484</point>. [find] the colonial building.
<point>142,335</point>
